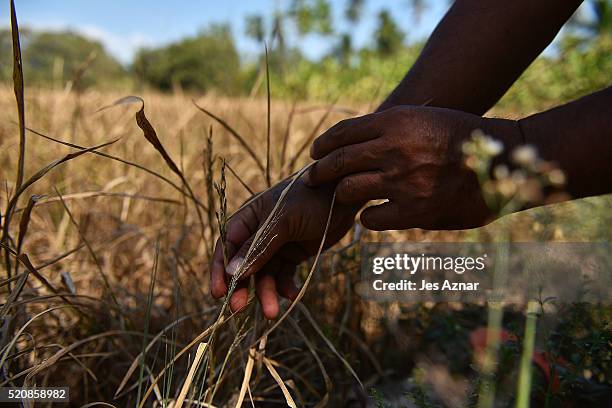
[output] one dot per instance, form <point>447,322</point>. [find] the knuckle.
<point>338,160</point>
<point>345,189</point>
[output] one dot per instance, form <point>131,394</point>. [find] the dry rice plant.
<point>106,239</point>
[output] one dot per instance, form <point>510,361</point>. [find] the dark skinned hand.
<point>294,237</point>
<point>410,156</point>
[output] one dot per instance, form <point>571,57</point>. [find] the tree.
<point>354,10</point>
<point>603,16</point>
<point>389,37</point>
<point>343,50</point>
<point>600,23</point>
<point>312,16</point>
<point>61,55</point>
<point>255,28</point>
<point>201,63</point>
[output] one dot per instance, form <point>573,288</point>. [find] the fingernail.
<point>234,265</point>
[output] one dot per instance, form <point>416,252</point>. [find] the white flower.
<point>491,146</point>
<point>556,177</point>
<point>501,171</point>
<point>525,155</point>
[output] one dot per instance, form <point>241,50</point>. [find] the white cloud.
<point>122,47</point>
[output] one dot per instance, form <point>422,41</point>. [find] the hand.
<point>412,157</point>
<point>293,238</point>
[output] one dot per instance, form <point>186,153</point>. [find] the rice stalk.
<point>208,178</point>
<point>236,136</point>
<point>222,213</point>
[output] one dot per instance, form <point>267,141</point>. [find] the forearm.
<point>478,50</point>
<point>578,137</point>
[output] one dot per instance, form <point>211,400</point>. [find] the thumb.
<point>380,217</point>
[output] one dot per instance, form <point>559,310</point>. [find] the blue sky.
<point>124,26</point>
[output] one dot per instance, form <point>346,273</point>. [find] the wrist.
<point>508,132</point>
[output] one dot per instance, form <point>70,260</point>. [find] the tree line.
<point>210,60</point>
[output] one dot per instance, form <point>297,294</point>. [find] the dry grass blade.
<point>219,322</point>
<point>147,129</point>
<point>192,370</point>
<point>14,293</point>
<point>145,336</point>
<point>280,382</point>
<point>311,348</point>
<point>42,172</point>
<point>92,253</point>
<point>23,226</point>
<point>94,194</point>
<point>12,279</point>
<point>33,179</point>
<point>151,135</point>
<point>65,350</point>
<point>241,333</point>
<point>109,156</point>
<point>314,324</point>
<point>268,130</point>
<point>22,329</point>
<point>19,94</point>
<point>49,262</point>
<point>308,141</point>
<point>286,136</point>
<point>136,361</point>
<point>25,261</point>
<point>240,180</point>
<point>248,371</point>
<point>25,221</point>
<point>236,136</point>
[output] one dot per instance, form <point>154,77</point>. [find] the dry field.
<point>114,260</point>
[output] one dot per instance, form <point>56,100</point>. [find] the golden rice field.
<point>114,254</point>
